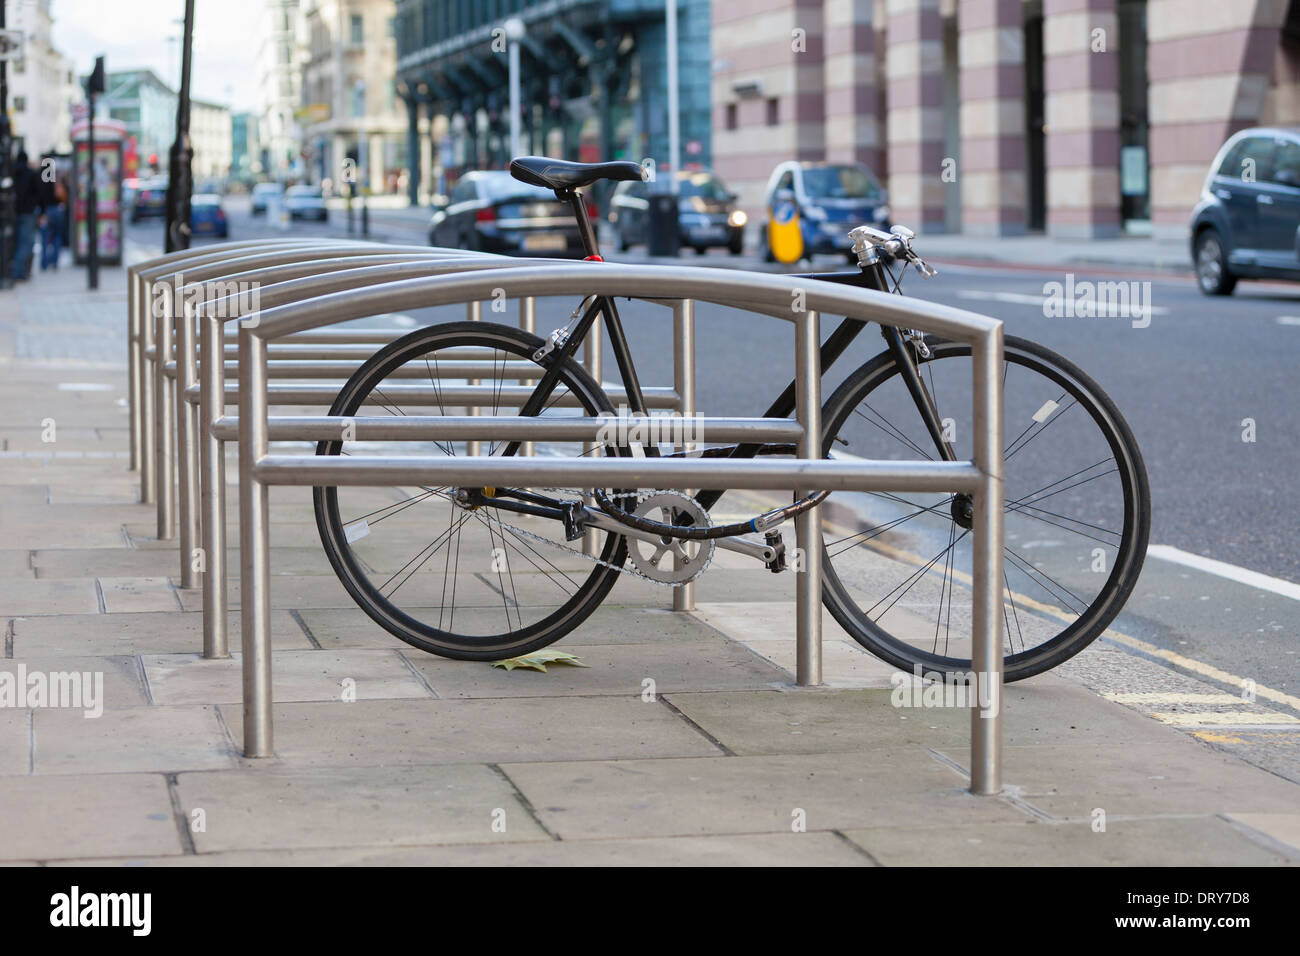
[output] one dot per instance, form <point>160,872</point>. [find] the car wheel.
<point>700,250</point>
<point>736,246</point>
<point>1212,275</point>
<point>623,244</point>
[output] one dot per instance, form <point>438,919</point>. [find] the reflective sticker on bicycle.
<point>356,531</point>
<point>1044,413</point>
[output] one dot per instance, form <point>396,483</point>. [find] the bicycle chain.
<point>623,569</point>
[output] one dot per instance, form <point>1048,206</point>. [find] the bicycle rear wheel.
<point>897,567</point>
<point>454,576</point>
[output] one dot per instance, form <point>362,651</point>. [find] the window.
<point>731,116</point>
<point>20,104</point>
<point>1250,160</point>
<point>773,111</point>
<point>359,100</point>
<point>358,31</point>
<point>1286,164</point>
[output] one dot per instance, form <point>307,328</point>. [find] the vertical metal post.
<point>474,312</point>
<point>684,385</point>
<point>133,366</point>
<point>165,434</point>
<point>148,446</point>
<point>212,405</point>
<point>187,458</point>
<point>254,548</point>
<point>593,354</point>
<point>987,530</point>
<point>528,322</point>
<point>807,527</point>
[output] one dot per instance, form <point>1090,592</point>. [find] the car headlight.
<point>737,219</point>
<point>882,213</point>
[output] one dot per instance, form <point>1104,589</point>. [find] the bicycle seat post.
<point>586,231</point>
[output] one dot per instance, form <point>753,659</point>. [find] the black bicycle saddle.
<point>561,174</point>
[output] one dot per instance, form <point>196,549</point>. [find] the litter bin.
<point>664,239</point>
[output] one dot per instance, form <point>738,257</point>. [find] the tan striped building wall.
<point>864,80</point>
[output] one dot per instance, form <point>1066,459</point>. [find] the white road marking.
<point>1224,570</point>
<point>1288,320</point>
<point>1230,719</point>
<point>84,387</point>
<point>1174,697</point>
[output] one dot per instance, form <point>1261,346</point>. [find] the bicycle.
<point>530,582</point>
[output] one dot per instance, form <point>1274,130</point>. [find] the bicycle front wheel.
<point>897,567</point>
<point>451,570</point>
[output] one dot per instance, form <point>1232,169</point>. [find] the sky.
<point>132,34</point>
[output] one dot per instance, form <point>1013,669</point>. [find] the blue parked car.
<point>825,200</point>
<point>207,218</point>
<point>1247,223</point>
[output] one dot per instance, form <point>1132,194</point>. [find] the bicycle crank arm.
<point>760,552</point>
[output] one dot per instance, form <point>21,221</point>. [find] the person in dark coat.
<point>29,205</point>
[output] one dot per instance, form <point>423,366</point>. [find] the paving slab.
<point>15,741</point>
<point>16,564</point>
<point>20,596</point>
<point>299,675</point>
<point>139,594</point>
<point>118,562</point>
<point>1041,711</point>
<point>616,669</point>
<point>117,676</point>
<point>761,849</point>
<point>1281,830</point>
<point>413,732</point>
<point>1186,842</point>
<point>127,633</point>
<point>389,806</point>
<point>106,815</point>
<point>691,797</point>
<point>1180,774</point>
<point>127,740</point>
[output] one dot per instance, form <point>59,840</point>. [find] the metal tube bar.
<point>807,526</point>
<point>936,476</point>
<point>450,369</point>
<point>684,384</point>
<point>312,428</point>
<point>987,529</point>
<point>254,551</point>
<point>528,322</point>
<point>187,459</point>
<point>213,492</point>
<point>165,437</point>
<point>431,397</point>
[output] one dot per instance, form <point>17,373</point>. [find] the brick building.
<point>1082,118</point>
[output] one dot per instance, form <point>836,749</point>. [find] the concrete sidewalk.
<point>447,762</point>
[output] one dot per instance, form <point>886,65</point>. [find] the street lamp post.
<point>7,209</point>
<point>674,110</point>
<point>179,185</point>
<point>515,29</point>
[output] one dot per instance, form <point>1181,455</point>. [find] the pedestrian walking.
<point>54,223</point>
<point>29,205</point>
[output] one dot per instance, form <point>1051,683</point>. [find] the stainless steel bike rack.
<point>772,295</point>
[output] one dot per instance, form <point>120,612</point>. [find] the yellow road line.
<point>1215,718</point>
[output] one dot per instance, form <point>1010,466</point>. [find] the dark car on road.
<point>706,213</point>
<point>1246,224</point>
<point>491,211</point>
<point>150,200</point>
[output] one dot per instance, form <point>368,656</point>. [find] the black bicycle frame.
<point>869,277</point>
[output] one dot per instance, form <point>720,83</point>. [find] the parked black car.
<point>150,200</point>
<point>491,211</point>
<point>707,215</point>
<point>1247,222</point>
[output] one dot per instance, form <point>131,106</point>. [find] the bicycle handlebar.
<point>897,244</point>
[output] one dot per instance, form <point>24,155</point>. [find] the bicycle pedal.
<point>773,540</point>
<point>574,520</point>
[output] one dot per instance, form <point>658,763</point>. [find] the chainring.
<point>674,560</point>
